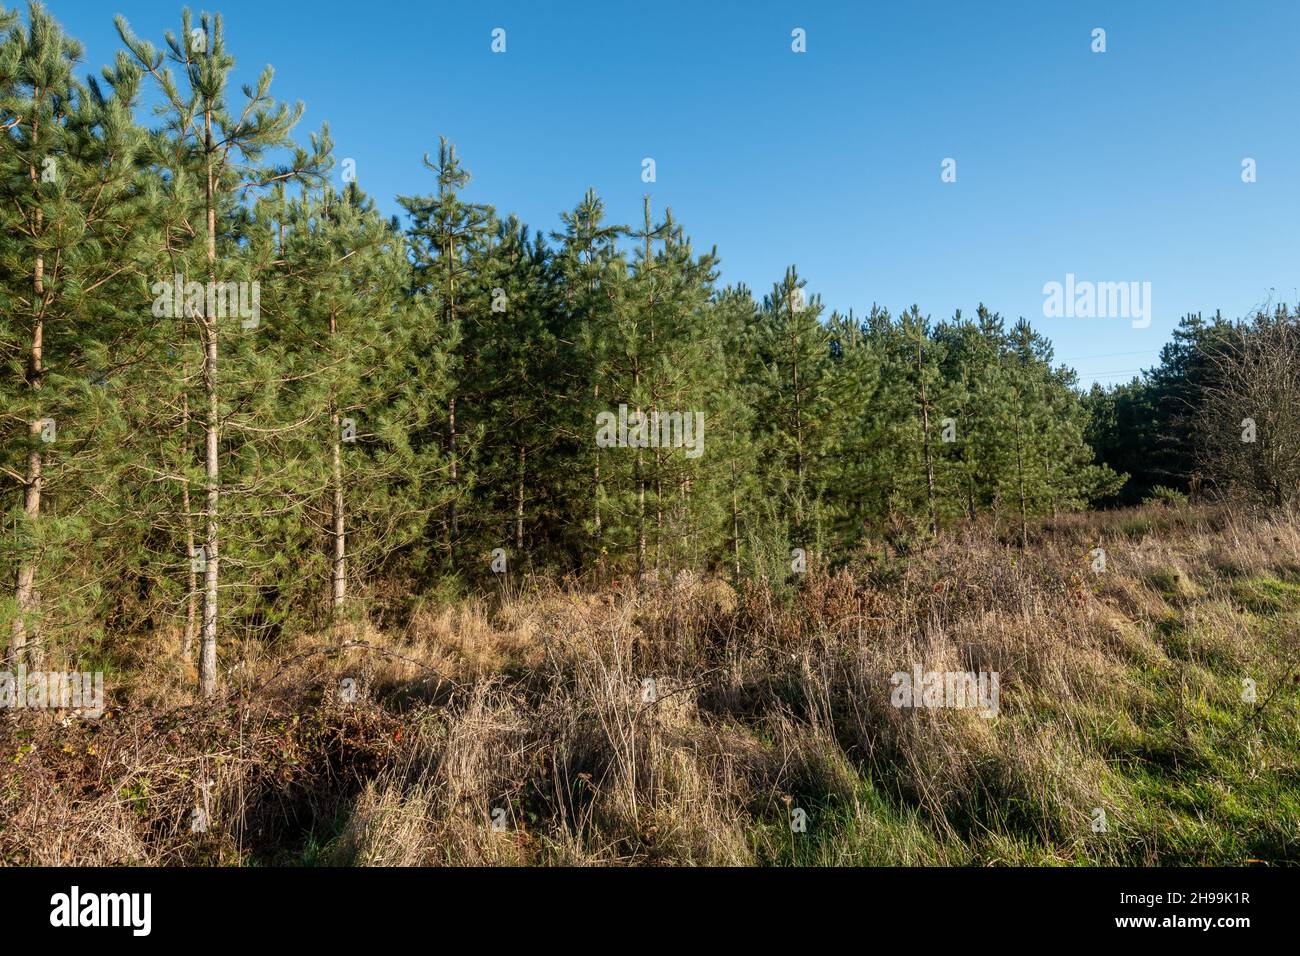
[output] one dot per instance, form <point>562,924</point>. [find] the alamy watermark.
<point>651,429</point>
<point>53,690</point>
<point>218,300</point>
<point>75,908</point>
<point>953,689</point>
<point>1084,299</point>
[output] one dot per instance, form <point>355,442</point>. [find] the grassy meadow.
<point>519,730</point>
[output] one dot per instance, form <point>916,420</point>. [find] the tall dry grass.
<point>524,731</point>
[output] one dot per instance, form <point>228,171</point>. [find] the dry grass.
<point>524,732</point>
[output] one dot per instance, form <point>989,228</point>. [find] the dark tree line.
<point>1217,418</point>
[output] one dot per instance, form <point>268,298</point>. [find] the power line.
<point>1079,358</point>
<point>1122,371</point>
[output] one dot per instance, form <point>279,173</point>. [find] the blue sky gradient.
<point>1115,166</point>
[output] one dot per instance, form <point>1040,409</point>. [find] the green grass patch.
<point>1266,595</point>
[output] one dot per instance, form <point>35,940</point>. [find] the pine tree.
<point>71,216</point>
<point>682,370</point>
<point>515,370</point>
<point>925,381</point>
<point>736,450</point>
<point>447,236</point>
<point>345,326</point>
<point>793,400</point>
<point>214,156</point>
<point>857,436</point>
<point>589,273</point>
<point>972,351</point>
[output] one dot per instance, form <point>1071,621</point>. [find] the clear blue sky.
<point>1118,166</point>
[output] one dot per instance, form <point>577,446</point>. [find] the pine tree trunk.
<point>339,577</point>
<point>453,531</point>
<point>925,426</point>
<point>735,522</point>
<point>453,525</point>
<point>24,585</point>
<point>340,572</point>
<point>798,415</point>
<point>208,647</point>
<point>1020,481</point>
<point>595,484</point>
<point>636,392</point>
<point>640,510</point>
<point>595,490</point>
<point>800,529</point>
<point>191,597</point>
<point>684,522</point>
<point>1051,487</point>
<point>968,456</point>
<point>519,503</point>
<point>641,488</point>
<point>26,627</point>
<point>659,512</point>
